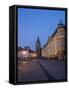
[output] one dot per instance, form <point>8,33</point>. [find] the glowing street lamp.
<point>24,52</point>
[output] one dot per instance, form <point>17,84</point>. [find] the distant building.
<point>38,48</point>
<point>26,52</point>
<point>32,54</point>
<point>55,46</point>
<point>23,52</point>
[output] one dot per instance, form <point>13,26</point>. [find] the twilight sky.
<point>35,22</point>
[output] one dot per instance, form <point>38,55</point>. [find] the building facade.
<point>26,53</point>
<point>55,46</point>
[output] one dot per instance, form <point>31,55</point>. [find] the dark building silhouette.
<point>38,48</point>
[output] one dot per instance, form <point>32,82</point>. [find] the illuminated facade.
<point>26,53</point>
<point>55,46</point>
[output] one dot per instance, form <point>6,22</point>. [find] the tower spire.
<point>38,41</point>
<point>38,48</point>
<point>60,21</point>
<point>60,24</point>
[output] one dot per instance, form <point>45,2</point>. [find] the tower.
<point>38,48</point>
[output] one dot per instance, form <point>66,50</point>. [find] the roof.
<point>31,51</point>
<point>26,49</point>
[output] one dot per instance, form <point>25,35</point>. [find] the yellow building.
<point>54,48</point>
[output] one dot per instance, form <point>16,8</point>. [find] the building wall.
<point>26,54</point>
<point>55,46</point>
<point>32,55</point>
<point>23,53</point>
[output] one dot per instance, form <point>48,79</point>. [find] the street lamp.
<point>24,54</point>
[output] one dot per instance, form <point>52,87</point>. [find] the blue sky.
<point>35,22</point>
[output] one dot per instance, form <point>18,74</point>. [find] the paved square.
<point>36,70</point>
